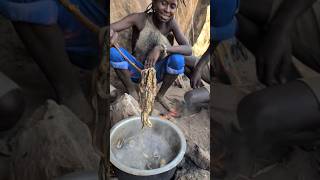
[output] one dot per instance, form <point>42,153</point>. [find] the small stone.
<point>132,143</point>
<point>156,155</point>
<point>145,155</point>
<point>148,166</point>
<point>163,162</point>
<point>120,143</point>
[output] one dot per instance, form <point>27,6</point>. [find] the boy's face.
<point>165,9</point>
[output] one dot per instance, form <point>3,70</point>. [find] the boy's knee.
<point>197,96</point>
<point>190,98</point>
<point>12,106</point>
<point>114,55</point>
<point>116,59</point>
<point>255,114</point>
<point>176,64</point>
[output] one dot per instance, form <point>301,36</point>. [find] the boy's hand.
<point>274,57</point>
<point>195,80</point>
<point>152,57</point>
<point>113,37</point>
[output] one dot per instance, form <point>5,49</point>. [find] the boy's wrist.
<point>163,48</point>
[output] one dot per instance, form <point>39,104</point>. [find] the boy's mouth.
<point>164,17</point>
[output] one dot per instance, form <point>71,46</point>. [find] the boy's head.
<point>165,9</point>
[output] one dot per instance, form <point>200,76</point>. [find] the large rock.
<point>187,171</point>
<point>116,82</point>
<point>124,107</point>
<point>54,142</point>
<point>193,174</point>
<point>199,156</point>
<point>196,128</point>
<point>191,17</point>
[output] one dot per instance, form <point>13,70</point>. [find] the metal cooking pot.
<point>163,128</point>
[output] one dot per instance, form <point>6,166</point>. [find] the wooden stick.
<point>75,11</point>
<point>126,58</point>
<point>93,27</point>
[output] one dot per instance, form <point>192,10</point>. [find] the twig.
<point>265,170</point>
<point>75,11</point>
<point>126,58</point>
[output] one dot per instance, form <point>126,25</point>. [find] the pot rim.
<point>142,172</point>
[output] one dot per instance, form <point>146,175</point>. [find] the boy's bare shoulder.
<point>140,19</point>
<point>138,14</point>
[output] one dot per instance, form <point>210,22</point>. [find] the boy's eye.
<point>173,6</point>
<point>164,3</point>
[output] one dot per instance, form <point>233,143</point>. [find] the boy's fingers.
<point>153,63</point>
<point>146,64</point>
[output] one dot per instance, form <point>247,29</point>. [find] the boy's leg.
<point>167,82</point>
<point>174,66</point>
<point>122,68</point>
<point>46,45</point>
<point>198,97</point>
<point>190,63</point>
<point>281,111</point>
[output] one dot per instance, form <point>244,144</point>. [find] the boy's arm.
<point>195,80</point>
<point>274,53</point>
<point>184,47</point>
<point>289,11</point>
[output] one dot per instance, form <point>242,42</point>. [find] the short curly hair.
<point>150,9</point>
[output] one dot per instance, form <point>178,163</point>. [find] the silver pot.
<point>130,127</point>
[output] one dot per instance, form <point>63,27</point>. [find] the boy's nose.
<point>167,9</point>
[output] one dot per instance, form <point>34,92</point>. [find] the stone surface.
<point>187,171</point>
<point>196,130</point>
<point>198,155</point>
<point>124,107</point>
<point>195,174</point>
<point>116,82</point>
<point>54,142</point>
<point>114,93</point>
